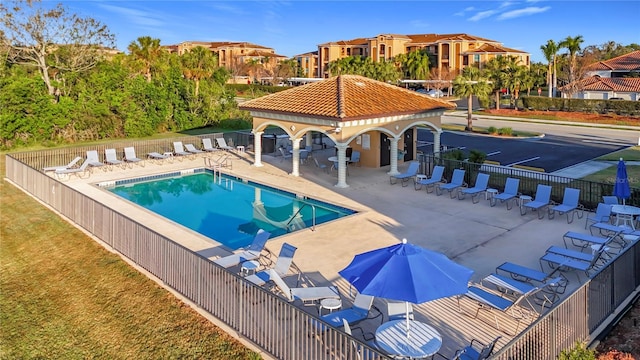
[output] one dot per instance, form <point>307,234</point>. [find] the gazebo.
<point>355,112</point>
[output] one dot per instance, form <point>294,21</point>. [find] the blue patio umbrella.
<point>621,187</point>
<point>407,272</point>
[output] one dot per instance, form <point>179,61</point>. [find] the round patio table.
<point>419,342</point>
<point>625,214</point>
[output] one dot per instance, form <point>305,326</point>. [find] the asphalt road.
<point>561,146</point>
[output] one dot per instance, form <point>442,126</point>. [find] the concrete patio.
<point>475,235</point>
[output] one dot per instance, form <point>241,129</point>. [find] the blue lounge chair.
<point>583,240</point>
<point>510,193</point>
<point>281,267</point>
<point>457,181</point>
<point>436,177</point>
<point>355,158</point>
<point>482,181</point>
<point>251,252</point>
<point>542,200</point>
<point>564,260</point>
<point>602,214</point>
<point>569,205</point>
<point>411,172</point>
<point>362,305</point>
<point>610,200</point>
<point>474,351</point>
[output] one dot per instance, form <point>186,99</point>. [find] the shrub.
<point>505,131</point>
<point>454,155</point>
<point>578,352</point>
<point>477,156</point>
<point>235,124</point>
<point>492,130</point>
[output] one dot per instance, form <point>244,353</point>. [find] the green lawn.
<point>63,296</point>
<point>609,175</point>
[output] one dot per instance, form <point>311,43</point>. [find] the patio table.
<point>625,214</point>
<point>421,341</point>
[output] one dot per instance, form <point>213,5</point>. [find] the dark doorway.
<point>385,150</point>
<point>408,145</point>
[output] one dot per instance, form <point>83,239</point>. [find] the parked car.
<point>435,93</point>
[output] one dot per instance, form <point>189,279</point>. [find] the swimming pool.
<point>226,209</point>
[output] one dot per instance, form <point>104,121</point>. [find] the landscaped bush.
<point>477,156</point>
<point>507,131</point>
<point>578,352</point>
<point>492,130</point>
<point>585,105</point>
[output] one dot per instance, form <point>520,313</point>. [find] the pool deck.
<point>475,235</point>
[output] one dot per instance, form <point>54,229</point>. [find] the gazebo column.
<point>394,155</point>
<point>309,139</point>
<point>436,142</point>
<point>342,165</point>
<point>296,156</point>
<point>257,148</point>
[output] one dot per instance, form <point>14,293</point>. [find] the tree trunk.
<point>550,80</point>
<point>497,99</point>
<point>469,113</point>
<point>44,70</point>
<point>197,86</point>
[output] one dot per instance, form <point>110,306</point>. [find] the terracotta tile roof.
<point>263,54</point>
<point>346,97</point>
<point>311,53</point>
<point>432,38</point>
<point>494,48</point>
<point>596,83</point>
<point>628,62</point>
<point>358,41</point>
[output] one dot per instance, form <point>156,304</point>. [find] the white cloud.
<point>522,12</point>
<point>223,7</point>
<point>137,17</point>
<point>482,15</point>
<point>467,9</point>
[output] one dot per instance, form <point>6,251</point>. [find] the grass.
<point>65,297</point>
<point>608,175</point>
<point>485,131</point>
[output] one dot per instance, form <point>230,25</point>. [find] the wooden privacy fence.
<point>278,327</point>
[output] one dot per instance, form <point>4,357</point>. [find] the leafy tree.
<point>198,64</point>
<point>52,40</point>
<point>550,51</point>
<point>471,82</point>
<point>144,55</point>
<point>416,65</point>
<point>495,69</point>
<point>578,352</point>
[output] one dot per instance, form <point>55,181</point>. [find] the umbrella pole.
<point>407,316</point>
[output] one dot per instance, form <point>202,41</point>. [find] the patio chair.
<point>457,181</point>
<point>550,288</point>
<point>222,144</point>
<point>399,310</point>
<point>359,349</point>
<point>92,158</point>
<point>307,295</point>
<point>436,177</point>
<point>281,267</point>
<point>476,350</point>
<point>70,165</point>
<point>564,260</point>
<point>620,234</point>
<point>360,310</point>
<point>584,240</point>
<point>207,146</point>
<point>510,193</point>
<point>355,158</point>
<point>320,166</point>
<point>541,201</point>
<point>304,156</point>
<point>610,200</point>
<point>251,252</point>
<point>602,214</point>
<point>111,158</point>
<point>569,205</point>
<point>404,177</point>
<point>482,181</point>
<point>130,155</point>
<point>83,169</point>
<point>192,149</point>
<point>285,154</point>
<point>178,149</point>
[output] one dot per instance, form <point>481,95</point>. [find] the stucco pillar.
<point>296,157</point>
<point>257,148</point>
<point>436,142</point>
<point>309,139</point>
<point>393,141</point>
<point>342,165</point>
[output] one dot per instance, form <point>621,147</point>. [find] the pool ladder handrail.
<point>313,216</point>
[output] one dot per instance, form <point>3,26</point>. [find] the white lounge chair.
<point>130,155</point>
<point>308,295</point>
<point>222,144</point>
<point>83,169</point>
<point>207,146</point>
<point>111,158</point>
<point>482,181</point>
<point>457,181</point>
<point>70,165</point>
<point>411,172</point>
<point>192,149</point>
<point>281,267</point>
<point>92,158</point>
<point>178,149</point>
<point>251,252</point>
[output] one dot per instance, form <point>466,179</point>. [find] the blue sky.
<point>298,26</point>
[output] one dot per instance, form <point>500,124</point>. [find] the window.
<point>348,51</point>
<point>476,58</point>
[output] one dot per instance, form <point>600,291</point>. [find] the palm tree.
<point>471,82</point>
<point>198,64</point>
<point>495,70</point>
<point>573,45</point>
<point>417,65</point>
<point>145,53</point>
<point>550,50</point>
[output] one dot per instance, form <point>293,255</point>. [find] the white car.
<point>435,93</point>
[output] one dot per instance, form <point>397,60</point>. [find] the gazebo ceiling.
<point>345,98</point>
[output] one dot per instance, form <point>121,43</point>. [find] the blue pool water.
<point>228,210</point>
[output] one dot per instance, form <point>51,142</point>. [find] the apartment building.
<point>233,55</point>
<point>308,62</point>
<point>452,52</point>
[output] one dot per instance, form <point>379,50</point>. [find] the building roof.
<point>311,53</point>
<point>358,41</point>
<point>628,62</point>
<point>347,97</point>
<point>494,48</point>
<point>597,83</point>
<point>433,38</point>
<point>263,53</point>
